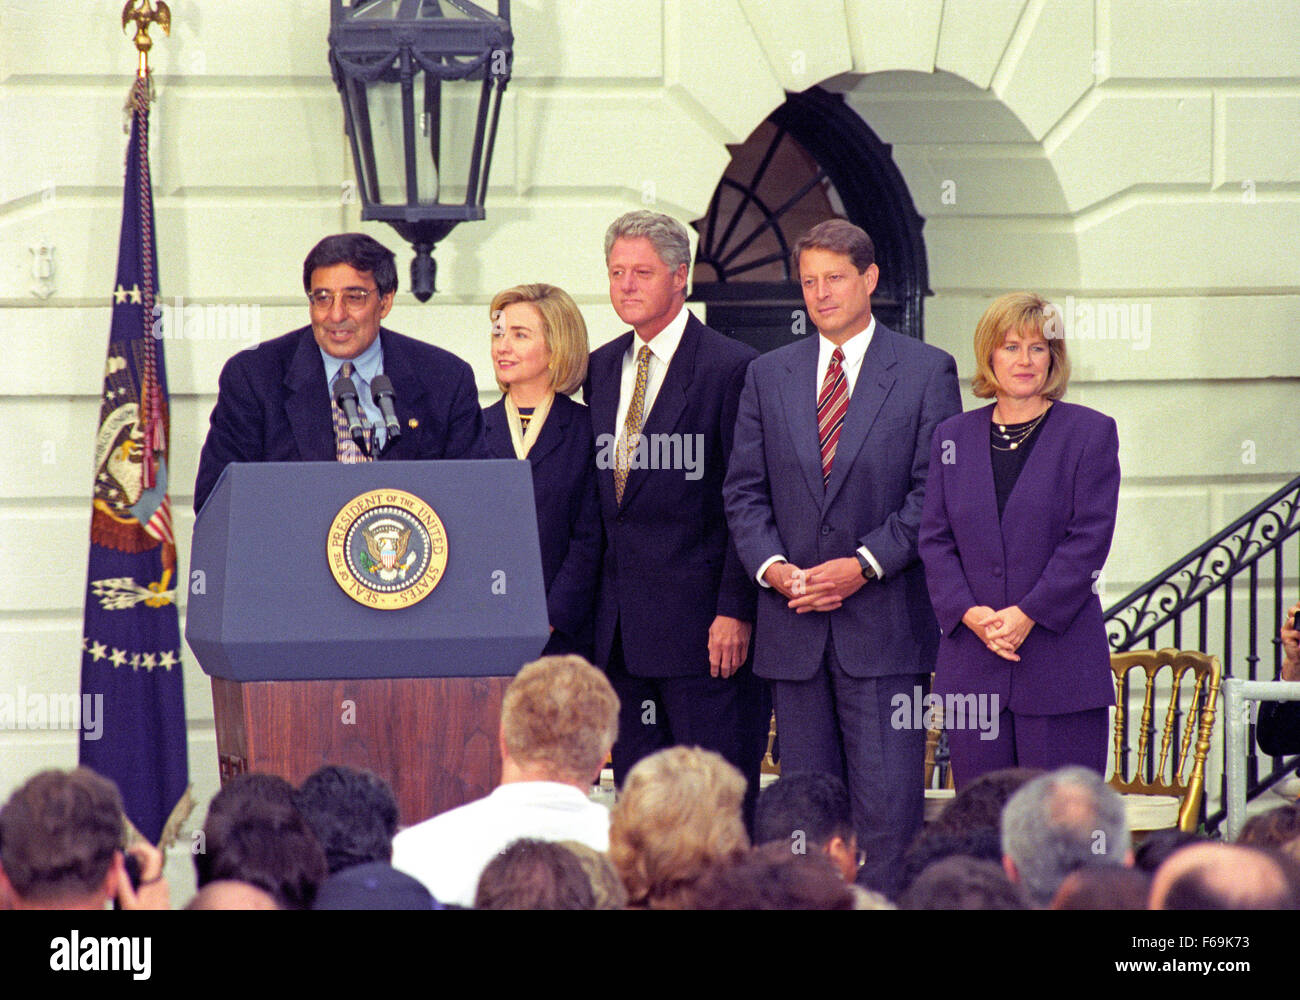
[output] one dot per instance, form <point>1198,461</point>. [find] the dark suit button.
<point>997,570</point>
<point>826,529</point>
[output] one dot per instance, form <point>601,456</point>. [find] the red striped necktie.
<point>832,405</point>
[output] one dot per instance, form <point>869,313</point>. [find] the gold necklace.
<point>1017,437</point>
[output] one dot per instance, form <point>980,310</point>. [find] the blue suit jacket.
<point>273,406</point>
<point>669,567</point>
<point>777,503</point>
<point>1045,556</point>
<point>563,461</point>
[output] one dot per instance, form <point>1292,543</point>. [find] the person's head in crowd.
<point>970,824</point>
<point>1291,849</point>
<point>982,842</point>
<point>353,814</point>
<point>534,875</point>
<point>60,842</point>
<point>678,815</point>
<point>606,886</point>
<point>231,895</point>
<point>1157,845</point>
<point>809,812</point>
<point>1215,876</point>
<point>1273,828</point>
<point>961,882</point>
<point>233,798</point>
<point>250,787</point>
<point>539,342</point>
<point>559,719</point>
<point>267,844</point>
<point>1103,889</point>
<point>772,877</point>
<point>374,885</point>
<point>1060,822</point>
<point>980,804</point>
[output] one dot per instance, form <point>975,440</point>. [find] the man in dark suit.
<point>824,497</point>
<point>274,402</point>
<point>675,608</point>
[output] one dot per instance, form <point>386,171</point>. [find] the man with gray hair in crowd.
<point>1060,822</point>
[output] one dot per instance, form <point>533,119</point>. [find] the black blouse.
<point>1007,461</point>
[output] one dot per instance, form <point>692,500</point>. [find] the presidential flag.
<point>131,654</point>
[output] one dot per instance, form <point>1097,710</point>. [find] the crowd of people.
<point>676,838</point>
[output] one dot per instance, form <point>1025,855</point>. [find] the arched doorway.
<point>811,159</point>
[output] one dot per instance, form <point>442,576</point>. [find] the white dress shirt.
<point>663,346</point>
<point>855,349</point>
<point>449,852</point>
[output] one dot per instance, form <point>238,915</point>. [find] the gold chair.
<point>1168,781</point>
<point>770,766</point>
<point>936,799</point>
<point>932,737</point>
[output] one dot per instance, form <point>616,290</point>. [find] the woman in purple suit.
<point>1019,514</point>
<point>539,356</point>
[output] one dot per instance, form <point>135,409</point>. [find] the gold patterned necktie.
<point>345,449</point>
<point>631,424</point>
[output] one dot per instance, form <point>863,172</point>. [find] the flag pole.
<point>132,690</point>
<point>143,14</point>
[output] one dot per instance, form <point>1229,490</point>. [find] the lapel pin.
<point>413,423</point>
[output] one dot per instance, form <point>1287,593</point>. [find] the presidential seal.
<point>387,549</point>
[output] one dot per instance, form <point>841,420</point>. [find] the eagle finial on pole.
<point>143,13</point>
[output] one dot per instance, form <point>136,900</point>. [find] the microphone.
<point>345,395</point>
<point>381,391</point>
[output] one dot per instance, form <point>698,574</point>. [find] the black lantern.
<point>421,82</point>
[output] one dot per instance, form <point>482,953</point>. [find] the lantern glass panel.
<point>455,120</point>
<point>387,10</point>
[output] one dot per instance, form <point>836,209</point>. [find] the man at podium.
<point>343,388</point>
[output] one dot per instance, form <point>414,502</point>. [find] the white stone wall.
<point>1136,153</point>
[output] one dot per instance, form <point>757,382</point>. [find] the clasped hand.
<point>1003,631</point>
<point>824,587</point>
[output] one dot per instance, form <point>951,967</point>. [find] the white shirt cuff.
<point>763,569</point>
<point>862,550</point>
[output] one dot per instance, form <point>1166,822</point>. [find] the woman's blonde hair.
<point>678,815</point>
<point>1024,313</point>
<point>563,329</point>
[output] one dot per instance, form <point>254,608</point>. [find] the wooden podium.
<point>433,739</point>
<point>304,675</point>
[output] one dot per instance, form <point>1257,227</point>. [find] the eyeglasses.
<point>353,298</point>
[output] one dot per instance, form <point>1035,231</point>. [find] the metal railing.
<point>1238,696</point>
<point>1212,596</point>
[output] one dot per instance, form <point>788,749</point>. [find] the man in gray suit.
<point>823,496</point>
